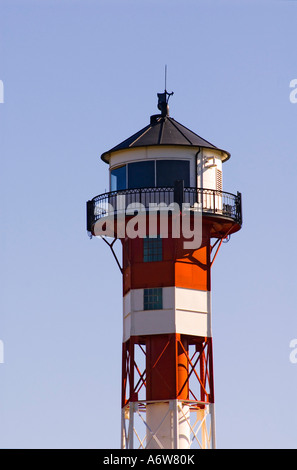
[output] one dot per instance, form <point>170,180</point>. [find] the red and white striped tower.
<point>167,359</point>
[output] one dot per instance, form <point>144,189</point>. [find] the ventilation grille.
<point>219,180</point>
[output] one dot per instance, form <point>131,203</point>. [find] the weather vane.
<point>163,98</point>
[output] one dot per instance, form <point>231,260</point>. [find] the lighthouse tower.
<point>167,207</point>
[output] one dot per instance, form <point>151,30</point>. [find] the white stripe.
<point>185,311</point>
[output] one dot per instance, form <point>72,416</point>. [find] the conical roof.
<point>163,130</point>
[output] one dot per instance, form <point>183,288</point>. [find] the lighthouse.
<point>167,208</point>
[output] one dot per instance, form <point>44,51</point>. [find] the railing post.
<point>178,196</point>
<point>238,207</point>
<point>90,215</point>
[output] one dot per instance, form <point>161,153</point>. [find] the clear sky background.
<point>79,77</point>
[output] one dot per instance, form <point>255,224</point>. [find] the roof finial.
<point>163,98</point>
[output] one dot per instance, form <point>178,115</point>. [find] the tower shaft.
<point>167,357</point>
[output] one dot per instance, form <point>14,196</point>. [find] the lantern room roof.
<point>163,130</point>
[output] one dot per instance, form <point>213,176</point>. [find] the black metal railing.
<point>209,201</point>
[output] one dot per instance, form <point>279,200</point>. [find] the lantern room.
<point>160,154</point>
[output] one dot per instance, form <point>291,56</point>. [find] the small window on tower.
<point>153,299</point>
<point>152,249</point>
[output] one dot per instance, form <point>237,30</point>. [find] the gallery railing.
<point>209,201</point>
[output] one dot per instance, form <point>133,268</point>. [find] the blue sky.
<point>80,76</point>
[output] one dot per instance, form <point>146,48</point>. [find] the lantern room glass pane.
<point>169,171</point>
<point>141,174</point>
<point>118,178</point>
